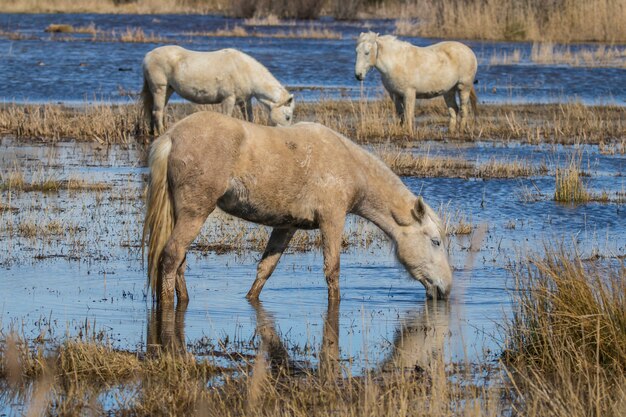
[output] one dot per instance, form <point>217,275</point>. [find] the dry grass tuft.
<point>569,187</point>
<point>59,28</point>
<point>567,338</point>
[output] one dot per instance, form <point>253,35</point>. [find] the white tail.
<point>159,221</point>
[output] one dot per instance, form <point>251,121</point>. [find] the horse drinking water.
<point>227,76</point>
<point>301,177</point>
<point>409,72</point>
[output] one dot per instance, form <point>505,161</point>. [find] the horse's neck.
<point>269,91</point>
<point>385,199</point>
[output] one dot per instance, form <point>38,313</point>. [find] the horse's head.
<point>420,247</point>
<point>281,114</point>
<point>366,54</point>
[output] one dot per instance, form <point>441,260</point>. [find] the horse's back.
<point>270,175</point>
<point>458,54</point>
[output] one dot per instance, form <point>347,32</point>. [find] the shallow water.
<point>45,69</point>
<point>91,272</point>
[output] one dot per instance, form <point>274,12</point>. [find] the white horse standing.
<point>409,72</point>
<point>227,76</point>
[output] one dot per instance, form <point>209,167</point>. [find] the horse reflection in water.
<point>166,330</point>
<point>273,352</point>
<point>418,345</point>
<point>419,342</point>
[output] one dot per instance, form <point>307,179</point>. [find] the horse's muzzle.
<point>359,77</point>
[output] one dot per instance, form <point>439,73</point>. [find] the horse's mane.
<point>384,169</point>
<point>375,37</point>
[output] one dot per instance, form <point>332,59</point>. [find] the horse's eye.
<point>435,242</point>
<point>367,52</point>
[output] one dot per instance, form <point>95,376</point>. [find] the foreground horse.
<point>227,76</point>
<point>409,72</point>
<point>301,177</point>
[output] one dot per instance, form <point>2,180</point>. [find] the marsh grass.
<point>403,162</point>
<point>362,121</point>
<point>76,375</point>
<point>43,181</point>
<point>599,56</point>
<point>567,337</point>
<point>375,121</point>
<point>78,369</point>
<point>240,32</point>
<point>113,6</point>
<point>569,185</point>
<point>536,20</point>
<point>548,53</point>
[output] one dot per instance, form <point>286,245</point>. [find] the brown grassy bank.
<point>567,337</point>
<point>364,122</point>
<point>538,20</point>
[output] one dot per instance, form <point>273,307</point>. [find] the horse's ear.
<point>419,210</point>
<point>289,101</point>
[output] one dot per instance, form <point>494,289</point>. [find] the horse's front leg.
<point>453,108</point>
<point>332,231</point>
<point>278,242</point>
<point>409,109</point>
<point>228,105</point>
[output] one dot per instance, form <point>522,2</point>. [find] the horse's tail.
<point>147,102</point>
<point>474,101</point>
<point>159,221</point>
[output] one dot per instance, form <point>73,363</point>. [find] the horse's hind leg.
<point>159,94</point>
<point>279,240</point>
<point>185,231</point>
<point>181,285</point>
<point>464,96</point>
<point>398,102</point>
<point>453,108</point>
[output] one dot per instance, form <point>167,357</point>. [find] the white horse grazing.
<point>227,76</point>
<point>409,72</point>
